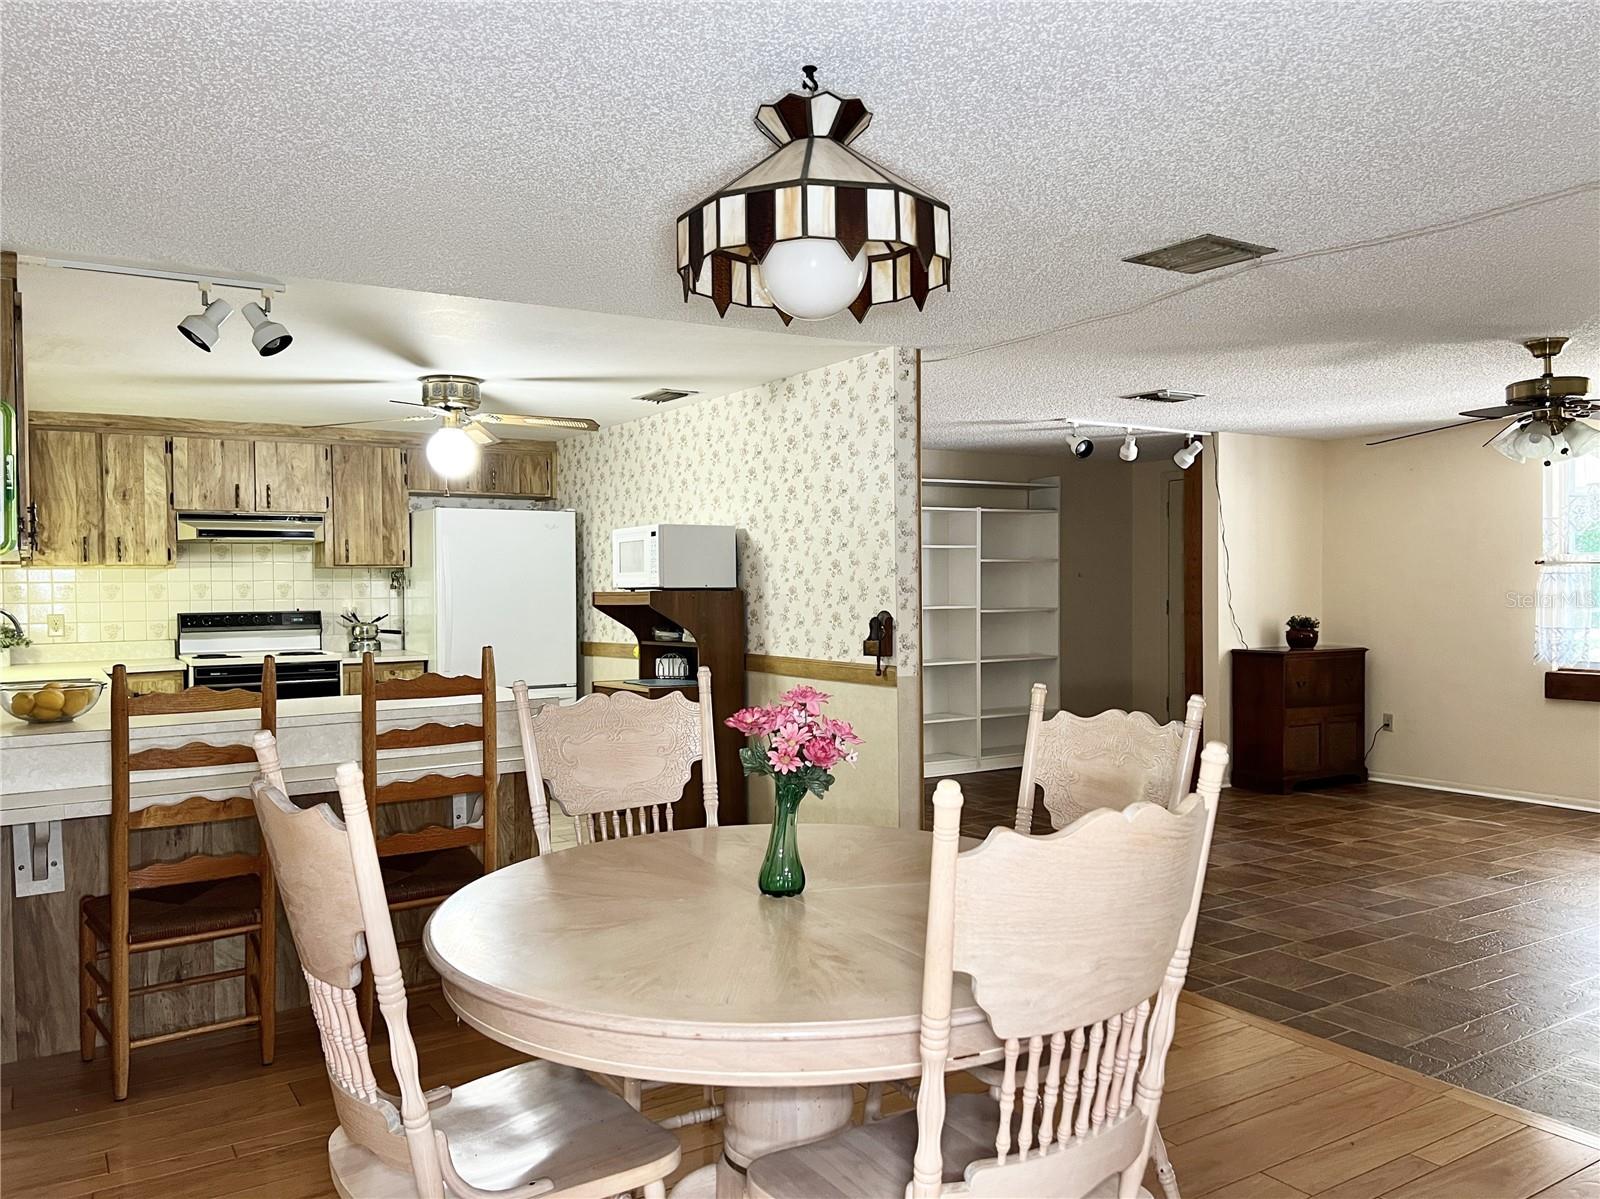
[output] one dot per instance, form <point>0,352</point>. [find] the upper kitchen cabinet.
<point>213,474</point>
<point>64,485</point>
<point>138,529</point>
<point>292,476</point>
<point>368,523</point>
<point>526,472</point>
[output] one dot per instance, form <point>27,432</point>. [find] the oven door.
<point>296,680</point>
<point>635,558</point>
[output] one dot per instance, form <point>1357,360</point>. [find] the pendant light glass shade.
<point>815,187</point>
<point>451,452</point>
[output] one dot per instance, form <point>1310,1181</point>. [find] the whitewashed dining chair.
<point>1109,760</point>
<point>619,758</point>
<point>533,1129</point>
<point>1085,1049</point>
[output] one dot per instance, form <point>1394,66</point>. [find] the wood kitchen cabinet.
<point>383,672</point>
<point>213,474</point>
<point>136,498</point>
<point>1299,716</point>
<point>368,525</point>
<point>64,470</point>
<point>524,473</point>
<point>292,476</point>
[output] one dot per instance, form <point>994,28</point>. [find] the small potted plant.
<point>795,744</point>
<point>11,638</point>
<point>1302,632</point>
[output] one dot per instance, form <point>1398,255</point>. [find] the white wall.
<point>1430,548</point>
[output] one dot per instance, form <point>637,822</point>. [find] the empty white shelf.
<point>1051,608</point>
<point>1002,484</point>
<point>948,545</point>
<point>945,717</point>
<point>1003,713</point>
<point>987,658</point>
<point>988,560</point>
<point>952,662</point>
<point>947,607</point>
<point>946,508</point>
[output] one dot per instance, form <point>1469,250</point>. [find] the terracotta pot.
<point>1301,638</point>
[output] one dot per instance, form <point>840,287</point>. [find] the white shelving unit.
<point>991,628</point>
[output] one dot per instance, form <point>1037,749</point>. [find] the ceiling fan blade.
<point>538,422</point>
<point>1500,410</point>
<point>383,420</point>
<point>412,403</point>
<point>1460,424</point>
<point>480,433</point>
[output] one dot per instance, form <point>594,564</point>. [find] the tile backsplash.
<point>135,609</point>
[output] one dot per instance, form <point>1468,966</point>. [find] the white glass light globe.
<point>812,278</point>
<point>451,452</point>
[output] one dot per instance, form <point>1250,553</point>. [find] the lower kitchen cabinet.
<point>383,671</point>
<point>156,682</point>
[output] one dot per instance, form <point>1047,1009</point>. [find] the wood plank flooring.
<point>1252,1111</point>
<point>1454,934</point>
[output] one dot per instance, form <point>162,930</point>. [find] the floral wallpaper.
<point>808,470</point>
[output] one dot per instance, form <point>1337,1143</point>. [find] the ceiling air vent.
<point>1204,253</point>
<point>664,395</point>
<point>1165,395</point>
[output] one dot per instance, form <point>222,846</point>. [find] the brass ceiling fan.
<point>1550,414</point>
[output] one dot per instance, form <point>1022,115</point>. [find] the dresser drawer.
<point>1318,680</point>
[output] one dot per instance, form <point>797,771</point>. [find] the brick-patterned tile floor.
<point>1456,935</point>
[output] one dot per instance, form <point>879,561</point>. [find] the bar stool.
<point>165,904</point>
<point>424,867</point>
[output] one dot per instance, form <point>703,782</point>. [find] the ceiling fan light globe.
<point>451,453</point>
<point>812,278</point>
<point>1582,438</point>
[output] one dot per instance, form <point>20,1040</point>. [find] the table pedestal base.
<point>758,1120</point>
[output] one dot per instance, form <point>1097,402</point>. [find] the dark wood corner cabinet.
<point>1299,716</point>
<point>714,619</point>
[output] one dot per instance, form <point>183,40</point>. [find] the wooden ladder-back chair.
<point>533,1129</point>
<point>619,758</point>
<point>617,764</point>
<point>1109,760</point>
<point>1085,1049</point>
<point>424,867</point>
<point>187,901</point>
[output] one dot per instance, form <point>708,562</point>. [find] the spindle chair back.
<point>339,915</point>
<point>617,764</point>
<point>1108,760</point>
<point>202,897</point>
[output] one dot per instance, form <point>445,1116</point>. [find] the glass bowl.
<point>53,702</point>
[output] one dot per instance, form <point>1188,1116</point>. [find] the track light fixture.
<point>1189,454</point>
<point>1082,447</point>
<point>204,327</point>
<point>1130,448</point>
<point>269,337</point>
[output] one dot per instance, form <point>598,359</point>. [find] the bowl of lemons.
<point>50,703</point>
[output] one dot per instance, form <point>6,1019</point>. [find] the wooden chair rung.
<point>432,838</point>
<point>101,982</point>
<point>179,1034</point>
<point>94,1018</point>
<point>193,980</point>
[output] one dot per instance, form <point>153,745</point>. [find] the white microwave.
<point>662,556</point>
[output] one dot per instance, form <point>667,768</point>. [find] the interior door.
<point>1176,599</point>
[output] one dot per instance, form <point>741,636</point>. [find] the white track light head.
<point>204,327</point>
<point>1189,454</point>
<point>269,337</point>
<point>1130,449</point>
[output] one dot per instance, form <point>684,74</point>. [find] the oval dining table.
<point>656,958</point>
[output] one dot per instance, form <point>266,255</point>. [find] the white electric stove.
<point>227,649</point>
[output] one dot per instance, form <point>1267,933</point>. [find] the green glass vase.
<point>781,872</point>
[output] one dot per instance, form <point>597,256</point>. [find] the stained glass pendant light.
<point>816,227</point>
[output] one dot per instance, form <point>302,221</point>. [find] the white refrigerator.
<point>504,577</point>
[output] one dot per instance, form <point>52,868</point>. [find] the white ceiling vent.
<point>1204,253</point>
<point>1165,395</point>
<point>664,395</point>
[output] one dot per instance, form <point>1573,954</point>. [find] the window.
<point>1567,611</point>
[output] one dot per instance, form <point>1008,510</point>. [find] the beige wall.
<point>1430,548</point>
<point>1272,509</point>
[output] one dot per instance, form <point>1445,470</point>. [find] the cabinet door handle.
<point>86,547</point>
<point>119,549</point>
<point>269,495</point>
<point>236,500</point>
<point>347,550</point>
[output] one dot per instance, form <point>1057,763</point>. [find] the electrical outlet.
<point>56,624</point>
<point>1388,722</point>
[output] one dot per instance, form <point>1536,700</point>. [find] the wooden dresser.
<point>1299,716</point>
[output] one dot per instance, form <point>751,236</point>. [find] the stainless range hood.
<point>248,526</point>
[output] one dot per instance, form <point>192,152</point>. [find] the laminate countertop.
<point>100,668</point>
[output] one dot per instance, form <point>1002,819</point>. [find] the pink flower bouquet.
<point>793,741</point>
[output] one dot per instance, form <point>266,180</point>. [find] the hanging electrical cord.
<point>1445,226</point>
<point>1222,530</point>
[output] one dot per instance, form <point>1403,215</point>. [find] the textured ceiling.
<point>540,152</point>
<point>109,343</point>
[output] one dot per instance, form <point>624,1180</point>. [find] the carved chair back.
<point>126,763</point>
<point>333,894</point>
<point>1109,760</point>
<point>1091,1043</point>
<point>619,760</point>
<point>432,786</point>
